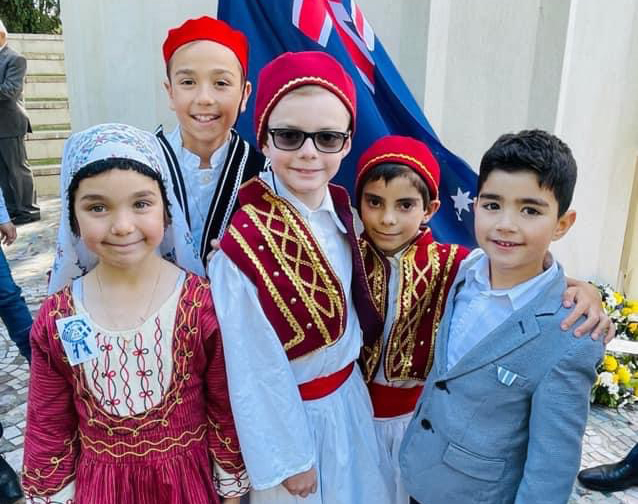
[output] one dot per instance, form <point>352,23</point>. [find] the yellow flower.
<point>636,391</point>
<point>624,376</point>
<point>626,311</point>
<point>614,378</point>
<point>633,327</point>
<point>618,297</point>
<point>610,363</point>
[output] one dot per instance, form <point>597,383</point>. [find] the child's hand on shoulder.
<point>302,484</point>
<point>586,300</point>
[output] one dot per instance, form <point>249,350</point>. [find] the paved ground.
<point>610,435</point>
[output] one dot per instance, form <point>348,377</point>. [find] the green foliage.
<point>31,16</point>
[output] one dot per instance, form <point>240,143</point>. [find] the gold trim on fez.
<point>295,83</point>
<point>398,155</point>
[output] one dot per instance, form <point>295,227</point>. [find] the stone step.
<point>43,112</point>
<point>45,86</point>
<point>46,144</point>
<point>47,179</point>
<point>37,43</point>
<point>44,63</point>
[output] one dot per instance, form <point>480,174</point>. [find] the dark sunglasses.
<point>288,139</point>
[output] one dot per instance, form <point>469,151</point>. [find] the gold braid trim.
<point>226,441</point>
<point>376,279</point>
<point>197,435</point>
<point>37,474</point>
<point>411,309</point>
<point>172,398</point>
<point>32,490</point>
<point>300,238</point>
<point>439,303</point>
<point>294,325</point>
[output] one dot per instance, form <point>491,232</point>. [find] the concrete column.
<point>597,116</point>
<point>114,59</point>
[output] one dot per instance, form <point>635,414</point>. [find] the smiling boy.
<point>505,404</point>
<point>291,263</point>
<point>206,82</point>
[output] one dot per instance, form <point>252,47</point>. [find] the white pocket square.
<point>505,376</point>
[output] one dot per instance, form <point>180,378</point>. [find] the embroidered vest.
<point>298,290</point>
<point>241,164</point>
<point>426,273</point>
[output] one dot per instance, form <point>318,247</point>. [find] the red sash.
<point>326,385</point>
<point>390,402</point>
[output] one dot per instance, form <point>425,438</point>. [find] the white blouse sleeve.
<point>270,418</point>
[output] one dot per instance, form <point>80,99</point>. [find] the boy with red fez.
<point>409,275</point>
<point>206,81</point>
<point>291,263</point>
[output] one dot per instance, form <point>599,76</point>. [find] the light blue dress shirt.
<point>479,309</point>
<point>4,214</point>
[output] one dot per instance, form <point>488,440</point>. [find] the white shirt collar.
<point>519,295</point>
<point>327,204</point>
<point>217,158</point>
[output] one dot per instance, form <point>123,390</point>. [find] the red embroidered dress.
<point>83,432</point>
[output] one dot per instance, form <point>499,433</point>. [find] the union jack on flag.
<point>384,102</point>
<point>317,19</point>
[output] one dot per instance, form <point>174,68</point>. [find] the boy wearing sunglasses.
<point>291,264</point>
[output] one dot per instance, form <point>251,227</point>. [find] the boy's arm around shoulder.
<point>558,416</point>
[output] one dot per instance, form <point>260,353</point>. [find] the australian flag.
<point>384,102</point>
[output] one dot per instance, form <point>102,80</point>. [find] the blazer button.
<point>425,423</point>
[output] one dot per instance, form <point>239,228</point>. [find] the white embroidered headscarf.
<point>72,258</point>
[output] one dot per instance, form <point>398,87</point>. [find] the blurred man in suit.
<point>16,178</point>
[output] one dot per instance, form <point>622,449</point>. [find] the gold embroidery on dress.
<point>192,436</point>
<point>181,356</point>
<point>410,310</point>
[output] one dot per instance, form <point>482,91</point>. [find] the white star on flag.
<point>462,201</point>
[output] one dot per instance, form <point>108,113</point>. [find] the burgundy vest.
<point>426,273</point>
<point>298,290</point>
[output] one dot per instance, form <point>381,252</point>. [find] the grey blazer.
<point>14,121</point>
<point>505,424</point>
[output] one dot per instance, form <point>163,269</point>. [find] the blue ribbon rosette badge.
<point>78,339</point>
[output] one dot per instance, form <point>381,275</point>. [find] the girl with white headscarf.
<point>128,399</point>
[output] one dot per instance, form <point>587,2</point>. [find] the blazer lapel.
<point>521,327</point>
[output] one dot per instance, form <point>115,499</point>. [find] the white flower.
<point>606,380</point>
<point>613,389</point>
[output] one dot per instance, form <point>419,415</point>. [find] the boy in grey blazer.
<point>504,407</point>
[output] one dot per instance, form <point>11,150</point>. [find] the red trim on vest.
<point>326,385</point>
<point>390,402</point>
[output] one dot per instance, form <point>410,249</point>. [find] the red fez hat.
<point>401,150</point>
<point>293,70</point>
<point>207,28</point>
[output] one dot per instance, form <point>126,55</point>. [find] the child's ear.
<point>432,208</point>
<point>565,222</point>
<point>169,92</point>
<point>248,87</point>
